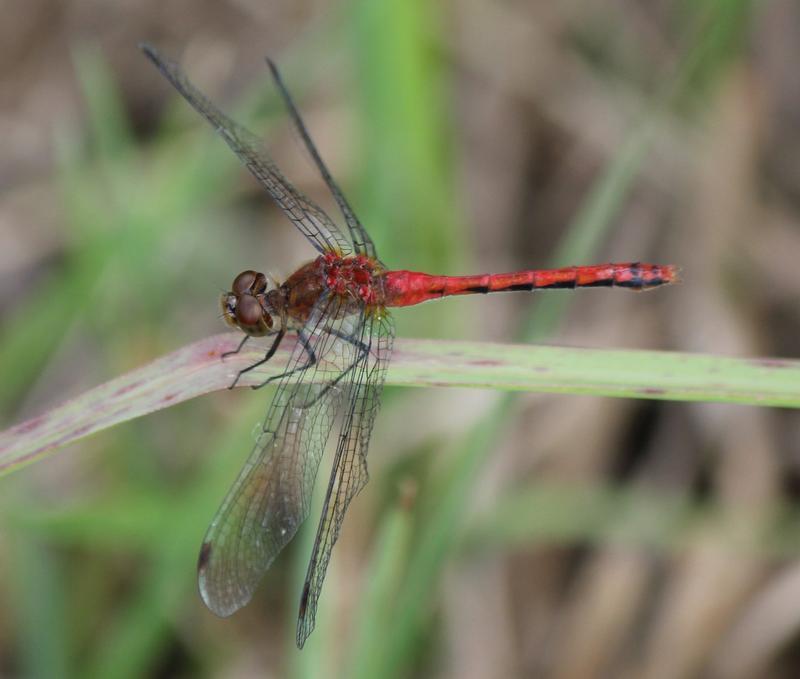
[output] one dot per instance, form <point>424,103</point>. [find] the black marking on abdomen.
<point>638,283</point>
<point>636,276</point>
<point>481,289</point>
<point>558,285</point>
<point>519,287</point>
<point>602,283</point>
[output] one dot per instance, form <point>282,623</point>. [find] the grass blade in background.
<point>39,608</point>
<point>379,604</point>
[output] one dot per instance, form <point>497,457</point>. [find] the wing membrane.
<point>336,372</point>
<point>349,474</point>
<point>272,495</point>
<point>358,234</point>
<point>306,215</point>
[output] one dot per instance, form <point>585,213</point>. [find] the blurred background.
<point>534,536</point>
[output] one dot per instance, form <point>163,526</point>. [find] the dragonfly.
<point>337,305</point>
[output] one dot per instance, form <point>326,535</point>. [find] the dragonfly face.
<point>246,306</point>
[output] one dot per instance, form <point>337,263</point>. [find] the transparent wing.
<point>349,474</point>
<point>358,234</point>
<point>306,215</point>
<point>272,495</point>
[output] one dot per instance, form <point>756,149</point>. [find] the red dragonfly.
<point>337,305</point>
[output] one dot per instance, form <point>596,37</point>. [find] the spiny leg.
<point>270,353</point>
<point>363,350</point>
<point>312,361</point>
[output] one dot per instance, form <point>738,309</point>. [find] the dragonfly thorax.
<point>247,305</point>
<point>355,277</point>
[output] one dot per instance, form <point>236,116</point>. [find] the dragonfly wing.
<point>358,234</point>
<point>306,215</point>
<point>349,474</point>
<point>272,495</point>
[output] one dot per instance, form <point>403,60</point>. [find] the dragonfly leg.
<point>237,349</point>
<point>363,350</point>
<point>312,361</point>
<point>270,353</point>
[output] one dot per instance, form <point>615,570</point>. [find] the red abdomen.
<point>404,288</point>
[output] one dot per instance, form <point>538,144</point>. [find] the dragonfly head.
<point>245,306</point>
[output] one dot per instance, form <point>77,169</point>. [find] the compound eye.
<point>259,285</point>
<point>251,316</point>
<point>249,283</point>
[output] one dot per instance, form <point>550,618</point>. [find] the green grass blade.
<point>436,541</point>
<point>379,601</point>
<point>39,608</point>
<point>197,369</point>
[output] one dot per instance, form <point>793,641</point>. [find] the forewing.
<point>306,215</point>
<point>349,474</point>
<point>272,495</point>
<point>358,234</point>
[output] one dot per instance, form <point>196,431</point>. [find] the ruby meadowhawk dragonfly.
<point>337,305</point>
